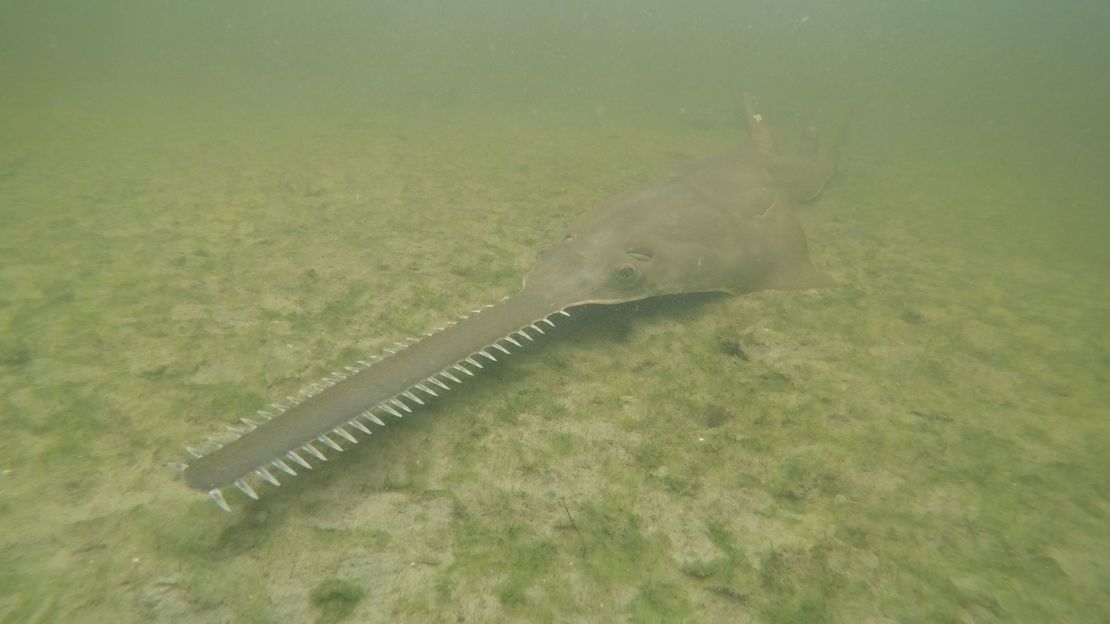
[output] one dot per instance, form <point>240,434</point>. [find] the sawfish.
<point>722,226</point>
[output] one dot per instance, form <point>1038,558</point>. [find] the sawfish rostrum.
<point>724,226</point>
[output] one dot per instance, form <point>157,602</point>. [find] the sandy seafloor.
<point>925,442</point>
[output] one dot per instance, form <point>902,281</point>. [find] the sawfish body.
<point>724,226</point>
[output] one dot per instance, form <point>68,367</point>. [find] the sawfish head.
<point>675,239</point>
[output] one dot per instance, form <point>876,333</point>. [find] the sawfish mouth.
<point>332,414</point>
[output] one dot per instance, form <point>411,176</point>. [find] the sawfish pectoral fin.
<point>790,267</point>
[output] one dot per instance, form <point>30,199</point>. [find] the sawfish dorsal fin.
<point>758,130</point>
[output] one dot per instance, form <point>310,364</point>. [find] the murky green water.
<point>205,207</point>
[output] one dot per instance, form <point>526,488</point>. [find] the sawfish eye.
<point>643,254</point>
<point>626,272</point>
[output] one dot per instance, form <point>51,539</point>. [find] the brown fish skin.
<point>725,226</point>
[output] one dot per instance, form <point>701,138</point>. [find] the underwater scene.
<point>740,311</point>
